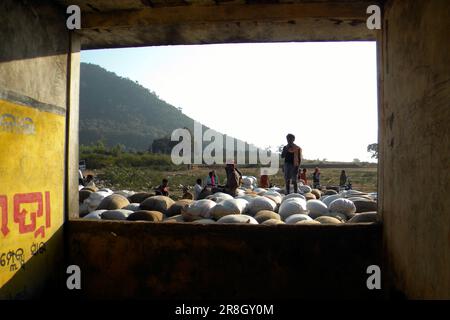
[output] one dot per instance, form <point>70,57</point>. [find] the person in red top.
<point>264,180</point>
<point>302,176</point>
<point>212,180</point>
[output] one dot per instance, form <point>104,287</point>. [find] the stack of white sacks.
<point>252,205</point>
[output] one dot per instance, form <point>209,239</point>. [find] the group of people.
<point>233,181</point>
<point>292,155</point>
<point>303,177</point>
<point>344,180</point>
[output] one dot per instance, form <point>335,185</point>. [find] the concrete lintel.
<point>229,13</point>
<point>226,24</point>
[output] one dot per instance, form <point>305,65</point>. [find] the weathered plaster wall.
<point>415,155</point>
<point>34,46</point>
<point>33,51</point>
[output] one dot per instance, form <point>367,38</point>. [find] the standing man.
<point>316,178</point>
<point>292,155</point>
<point>343,179</point>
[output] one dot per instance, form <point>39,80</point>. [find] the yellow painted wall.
<point>31,192</point>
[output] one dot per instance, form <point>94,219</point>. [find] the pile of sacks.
<point>251,206</point>
<point>249,182</point>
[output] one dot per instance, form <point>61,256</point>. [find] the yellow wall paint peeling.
<point>31,193</point>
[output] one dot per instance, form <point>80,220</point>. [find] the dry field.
<point>145,179</point>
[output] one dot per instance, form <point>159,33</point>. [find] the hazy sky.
<point>325,93</point>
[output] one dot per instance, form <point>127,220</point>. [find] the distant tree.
<point>100,146</point>
<point>118,149</point>
<point>373,149</point>
<point>356,160</point>
<point>163,145</point>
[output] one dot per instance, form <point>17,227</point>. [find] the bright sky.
<point>325,93</point>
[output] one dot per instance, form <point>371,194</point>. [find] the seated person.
<point>212,180</point>
<point>89,181</point>
<point>198,188</point>
<point>302,176</point>
<point>187,194</point>
<point>264,181</point>
<point>349,184</point>
<point>206,191</point>
<point>163,188</point>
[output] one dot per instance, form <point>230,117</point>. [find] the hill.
<point>118,110</point>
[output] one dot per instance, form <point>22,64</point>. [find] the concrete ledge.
<point>144,260</point>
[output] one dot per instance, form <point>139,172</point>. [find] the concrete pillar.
<point>72,134</point>
<point>414,147</point>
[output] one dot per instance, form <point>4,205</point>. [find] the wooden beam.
<point>217,14</point>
